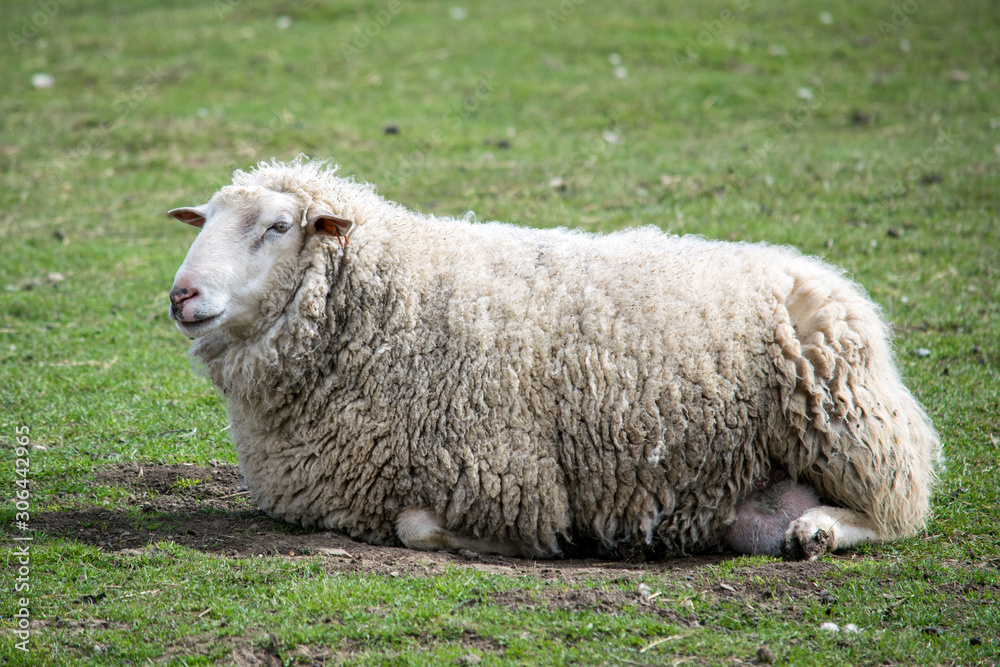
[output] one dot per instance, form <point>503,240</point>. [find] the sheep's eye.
<point>279,227</point>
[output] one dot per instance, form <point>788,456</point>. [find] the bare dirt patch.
<point>205,508</point>
<point>179,487</point>
<point>262,650</point>
<point>607,602</point>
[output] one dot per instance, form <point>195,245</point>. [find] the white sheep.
<point>450,384</point>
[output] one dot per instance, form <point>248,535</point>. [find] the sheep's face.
<point>249,244</point>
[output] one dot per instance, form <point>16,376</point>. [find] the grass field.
<point>866,133</point>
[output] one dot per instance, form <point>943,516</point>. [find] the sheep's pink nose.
<point>179,294</point>
<point>178,297</point>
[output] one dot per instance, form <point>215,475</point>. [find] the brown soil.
<point>208,509</point>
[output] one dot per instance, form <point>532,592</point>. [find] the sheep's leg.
<point>855,433</point>
<point>824,528</point>
<point>419,528</point>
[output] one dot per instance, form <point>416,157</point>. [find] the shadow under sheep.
<point>205,508</point>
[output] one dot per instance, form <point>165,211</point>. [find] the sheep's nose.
<point>179,294</point>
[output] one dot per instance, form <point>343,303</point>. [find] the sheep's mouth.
<point>199,326</point>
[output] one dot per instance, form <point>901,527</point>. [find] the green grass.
<point>873,141</point>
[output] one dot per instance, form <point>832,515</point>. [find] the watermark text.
<point>22,550</point>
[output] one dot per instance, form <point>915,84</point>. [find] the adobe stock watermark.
<point>456,118</point>
<point>363,35</point>
<point>32,26</point>
<point>590,155</point>
<point>122,105</point>
<point>810,102</point>
<point>21,555</point>
<point>565,9</point>
<point>899,17</point>
<point>711,30</point>
<point>922,168</point>
<point>224,7</point>
<point>278,121</point>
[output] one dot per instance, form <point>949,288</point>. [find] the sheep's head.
<point>249,242</point>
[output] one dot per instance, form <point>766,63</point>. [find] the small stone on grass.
<point>42,80</point>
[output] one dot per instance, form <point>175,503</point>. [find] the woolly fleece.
<point>563,391</point>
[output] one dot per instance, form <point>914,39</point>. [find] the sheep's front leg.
<point>419,528</point>
<point>824,528</point>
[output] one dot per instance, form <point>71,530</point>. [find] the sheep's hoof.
<point>805,541</point>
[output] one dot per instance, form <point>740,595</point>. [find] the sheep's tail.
<point>854,431</point>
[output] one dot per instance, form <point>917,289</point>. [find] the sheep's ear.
<point>192,215</point>
<point>325,222</point>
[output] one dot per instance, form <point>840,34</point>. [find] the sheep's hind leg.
<point>419,528</point>
<point>824,528</point>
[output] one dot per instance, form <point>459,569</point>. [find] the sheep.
<point>447,384</point>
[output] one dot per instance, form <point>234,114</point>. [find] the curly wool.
<point>559,389</point>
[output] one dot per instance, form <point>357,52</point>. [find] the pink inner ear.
<point>190,216</point>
